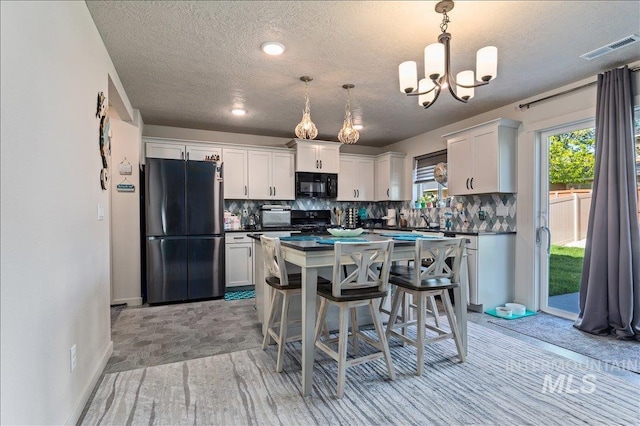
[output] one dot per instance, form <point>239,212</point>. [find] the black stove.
<point>311,221</point>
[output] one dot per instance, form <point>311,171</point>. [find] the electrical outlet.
<point>481,215</point>
<point>72,353</point>
<point>245,212</point>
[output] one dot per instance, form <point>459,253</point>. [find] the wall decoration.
<point>125,186</point>
<point>125,167</point>
<point>104,141</point>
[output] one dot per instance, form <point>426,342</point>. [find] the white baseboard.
<point>86,392</point>
<point>133,301</point>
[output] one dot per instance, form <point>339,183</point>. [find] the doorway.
<point>566,170</point>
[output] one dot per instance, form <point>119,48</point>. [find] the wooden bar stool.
<point>435,280</point>
<point>363,286</point>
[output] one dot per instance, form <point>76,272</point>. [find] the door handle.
<point>187,155</point>
<point>274,191</point>
<point>539,232</point>
<point>467,183</point>
<point>354,193</point>
<point>387,192</point>
<point>320,163</point>
<point>181,155</point>
<point>471,183</point>
<point>270,190</point>
<point>245,190</point>
<point>358,192</point>
<point>317,164</point>
<point>249,251</point>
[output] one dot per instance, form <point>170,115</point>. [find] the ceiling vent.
<point>633,38</point>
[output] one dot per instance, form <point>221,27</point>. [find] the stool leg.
<point>406,314</point>
<point>377,321</point>
<point>342,348</point>
<point>453,324</point>
<point>394,310</point>
<point>354,331</point>
<point>270,320</point>
<point>321,322</point>
<point>422,314</point>
<point>283,331</point>
<point>433,307</point>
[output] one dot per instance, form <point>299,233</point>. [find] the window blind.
<point>424,166</point>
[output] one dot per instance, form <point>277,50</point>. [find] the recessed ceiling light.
<point>358,126</point>
<point>272,48</point>
<point>238,111</point>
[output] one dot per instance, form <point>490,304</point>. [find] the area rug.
<point>240,295</point>
<point>617,353</point>
<point>146,336</point>
<point>504,381</point>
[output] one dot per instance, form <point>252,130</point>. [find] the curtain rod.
<point>593,83</point>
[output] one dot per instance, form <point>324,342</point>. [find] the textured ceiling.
<point>187,64</point>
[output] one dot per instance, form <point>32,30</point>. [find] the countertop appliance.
<point>316,185</point>
<point>184,207</point>
<point>311,221</point>
<point>275,216</point>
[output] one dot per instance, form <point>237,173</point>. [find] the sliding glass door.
<point>566,175</point>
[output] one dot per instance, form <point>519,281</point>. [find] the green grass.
<point>565,270</point>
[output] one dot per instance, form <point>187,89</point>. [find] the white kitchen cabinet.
<point>235,174</point>
<point>179,151</point>
<point>238,259</point>
<point>316,156</point>
<point>356,178</point>
<point>489,270</point>
<point>482,159</point>
<point>271,175</point>
<point>389,176</point>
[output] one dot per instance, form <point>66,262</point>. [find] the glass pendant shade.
<point>408,72</point>
<point>348,135</point>
<point>466,78</point>
<point>434,61</point>
<point>487,63</point>
<point>425,85</point>
<point>306,129</point>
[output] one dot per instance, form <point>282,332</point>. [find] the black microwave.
<point>317,185</point>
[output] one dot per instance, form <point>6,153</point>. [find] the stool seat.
<point>350,295</point>
<point>295,282</point>
<point>408,282</point>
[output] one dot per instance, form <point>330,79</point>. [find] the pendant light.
<point>348,134</point>
<point>437,68</point>
<point>306,129</point>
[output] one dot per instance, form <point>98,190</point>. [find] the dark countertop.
<point>312,245</point>
<point>385,228</point>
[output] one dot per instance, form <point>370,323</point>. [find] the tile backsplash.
<point>466,219</point>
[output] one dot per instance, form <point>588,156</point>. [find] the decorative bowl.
<point>345,232</point>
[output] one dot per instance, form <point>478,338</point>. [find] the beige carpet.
<point>504,381</point>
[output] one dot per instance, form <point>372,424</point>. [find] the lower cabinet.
<point>239,260</point>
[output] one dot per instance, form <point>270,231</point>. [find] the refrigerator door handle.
<point>187,155</point>
<point>182,155</point>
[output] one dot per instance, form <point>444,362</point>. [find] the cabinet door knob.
<point>467,183</point>
<point>249,251</point>
<point>320,163</point>
<point>387,192</point>
<point>317,164</point>
<point>245,190</point>
<point>471,183</point>
<point>358,191</point>
<point>270,194</point>
<point>274,191</point>
<point>354,193</point>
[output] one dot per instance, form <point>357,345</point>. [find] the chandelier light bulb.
<point>306,129</point>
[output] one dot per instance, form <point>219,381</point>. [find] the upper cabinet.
<point>389,176</point>
<point>482,159</point>
<point>178,151</point>
<point>356,178</point>
<point>316,156</point>
<point>235,169</point>
<point>271,175</point>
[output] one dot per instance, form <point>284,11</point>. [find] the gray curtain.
<point>610,286</point>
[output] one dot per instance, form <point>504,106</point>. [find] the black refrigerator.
<point>184,205</point>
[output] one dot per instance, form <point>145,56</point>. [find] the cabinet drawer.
<point>232,238</point>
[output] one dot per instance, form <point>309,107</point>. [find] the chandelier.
<point>437,68</point>
<point>306,129</point>
<point>348,135</point>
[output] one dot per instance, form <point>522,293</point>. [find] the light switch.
<point>502,211</point>
<point>100,212</point>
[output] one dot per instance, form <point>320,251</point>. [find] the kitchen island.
<point>311,256</point>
